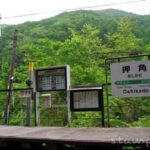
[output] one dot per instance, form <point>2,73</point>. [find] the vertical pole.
<point>29,100</point>
<point>103,119</point>
<point>36,100</point>
<point>102,109</point>
<point>29,111</point>
<point>35,97</point>
<point>36,104</point>
<point>22,116</point>
<point>68,107</point>
<point>35,112</point>
<point>10,80</point>
<point>107,99</point>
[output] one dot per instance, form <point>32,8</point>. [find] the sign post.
<point>29,100</point>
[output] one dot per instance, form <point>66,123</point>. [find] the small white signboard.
<point>130,79</point>
<point>46,99</point>
<point>25,94</point>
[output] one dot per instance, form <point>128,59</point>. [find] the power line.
<point>79,8</point>
<point>111,4</point>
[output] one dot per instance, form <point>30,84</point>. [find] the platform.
<point>76,136</point>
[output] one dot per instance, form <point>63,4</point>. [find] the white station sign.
<point>130,79</point>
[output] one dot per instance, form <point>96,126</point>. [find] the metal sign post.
<point>36,105</point>
<point>68,108</point>
<point>29,100</point>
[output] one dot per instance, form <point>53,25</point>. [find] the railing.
<point>123,113</point>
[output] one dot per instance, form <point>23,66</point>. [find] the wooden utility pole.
<point>10,80</point>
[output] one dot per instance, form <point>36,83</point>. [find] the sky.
<point>19,11</point>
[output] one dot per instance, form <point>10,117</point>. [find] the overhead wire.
<point>111,4</point>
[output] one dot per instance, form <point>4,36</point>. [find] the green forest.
<point>83,40</point>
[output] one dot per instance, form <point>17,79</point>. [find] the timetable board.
<point>86,99</point>
<point>52,79</point>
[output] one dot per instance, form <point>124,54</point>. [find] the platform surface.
<point>75,135</point>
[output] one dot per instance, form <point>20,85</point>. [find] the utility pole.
<point>10,80</point>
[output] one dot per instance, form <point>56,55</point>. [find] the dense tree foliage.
<point>82,39</point>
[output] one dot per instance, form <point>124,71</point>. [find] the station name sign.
<point>53,79</point>
<point>130,79</point>
<point>86,99</point>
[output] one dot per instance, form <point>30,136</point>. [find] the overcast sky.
<point>38,9</point>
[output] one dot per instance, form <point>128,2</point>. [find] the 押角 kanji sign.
<point>130,79</point>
